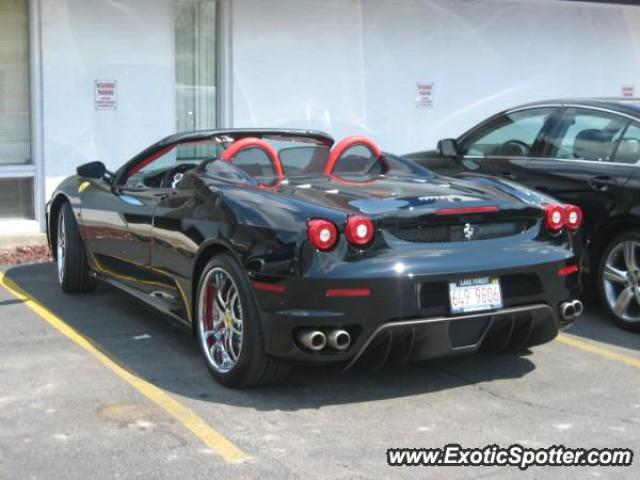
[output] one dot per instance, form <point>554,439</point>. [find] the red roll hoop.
<point>253,142</point>
<point>344,145</point>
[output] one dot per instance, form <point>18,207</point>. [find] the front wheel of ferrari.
<point>229,330</point>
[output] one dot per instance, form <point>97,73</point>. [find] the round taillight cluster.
<point>359,231</point>
<point>554,217</point>
<point>558,216</point>
<point>573,217</point>
<point>323,234</point>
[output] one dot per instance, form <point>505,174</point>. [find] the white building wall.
<point>130,41</point>
<point>344,66</point>
<point>298,64</point>
<point>351,66</point>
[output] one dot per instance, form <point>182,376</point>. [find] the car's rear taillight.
<point>359,231</point>
<point>322,234</point>
<point>573,217</point>
<point>554,217</point>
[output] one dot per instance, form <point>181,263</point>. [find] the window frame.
<point>539,143</point>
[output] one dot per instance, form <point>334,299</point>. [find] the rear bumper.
<point>508,329</point>
<point>408,315</point>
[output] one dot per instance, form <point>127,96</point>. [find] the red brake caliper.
<point>209,299</point>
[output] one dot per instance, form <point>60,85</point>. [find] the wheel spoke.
<point>215,333</point>
<point>636,294</point>
<point>629,252</point>
<point>226,359</point>
<point>236,325</point>
<point>229,346</point>
<point>220,301</point>
<point>233,298</point>
<point>623,302</point>
<point>614,275</point>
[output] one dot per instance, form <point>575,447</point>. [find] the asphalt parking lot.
<point>65,413</point>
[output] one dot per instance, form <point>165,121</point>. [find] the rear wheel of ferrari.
<point>619,280</point>
<point>71,259</point>
<point>228,328</point>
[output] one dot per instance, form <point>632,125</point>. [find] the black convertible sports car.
<point>279,247</point>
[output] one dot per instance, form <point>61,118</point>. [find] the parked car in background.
<point>279,247</point>
<point>585,152</point>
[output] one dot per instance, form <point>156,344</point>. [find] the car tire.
<point>74,274</point>
<point>228,327</point>
<point>619,280</point>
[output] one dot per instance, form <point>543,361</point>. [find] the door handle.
<point>508,174</point>
<point>602,183</point>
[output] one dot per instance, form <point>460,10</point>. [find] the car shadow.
<point>159,350</point>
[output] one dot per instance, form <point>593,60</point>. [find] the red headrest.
<point>344,145</point>
<point>253,142</point>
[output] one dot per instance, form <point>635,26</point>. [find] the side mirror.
<point>92,170</point>
<point>448,148</point>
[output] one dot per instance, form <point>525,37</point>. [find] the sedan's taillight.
<point>573,217</point>
<point>322,234</point>
<point>359,231</point>
<point>554,217</point>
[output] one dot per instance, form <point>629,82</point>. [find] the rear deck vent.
<point>414,232</point>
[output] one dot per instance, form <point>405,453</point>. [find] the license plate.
<point>475,295</point>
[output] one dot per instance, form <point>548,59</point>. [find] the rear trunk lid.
<point>416,209</point>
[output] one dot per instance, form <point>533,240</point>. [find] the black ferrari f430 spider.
<point>279,247</point>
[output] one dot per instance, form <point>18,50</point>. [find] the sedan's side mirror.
<point>448,148</point>
<point>92,170</point>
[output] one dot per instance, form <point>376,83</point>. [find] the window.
<point>584,134</point>
<point>16,194</point>
<point>629,147</point>
<point>16,198</point>
<point>254,162</point>
<point>509,135</point>
<point>358,160</point>
<point>14,83</point>
<point>196,65</point>
<point>304,159</point>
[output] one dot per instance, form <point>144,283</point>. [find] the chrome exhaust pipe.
<point>339,339</point>
<point>568,310</point>
<point>314,340</point>
<point>578,308</point>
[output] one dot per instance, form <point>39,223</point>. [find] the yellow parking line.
<point>209,436</point>
<point>602,351</point>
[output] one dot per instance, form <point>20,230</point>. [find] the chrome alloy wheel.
<point>621,280</point>
<point>60,247</point>
<point>220,320</point>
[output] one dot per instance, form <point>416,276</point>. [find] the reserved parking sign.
<point>106,93</point>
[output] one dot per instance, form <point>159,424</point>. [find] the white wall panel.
<point>351,66</point>
<point>298,64</point>
<point>131,41</point>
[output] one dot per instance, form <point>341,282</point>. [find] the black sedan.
<point>585,152</point>
<point>278,247</point>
